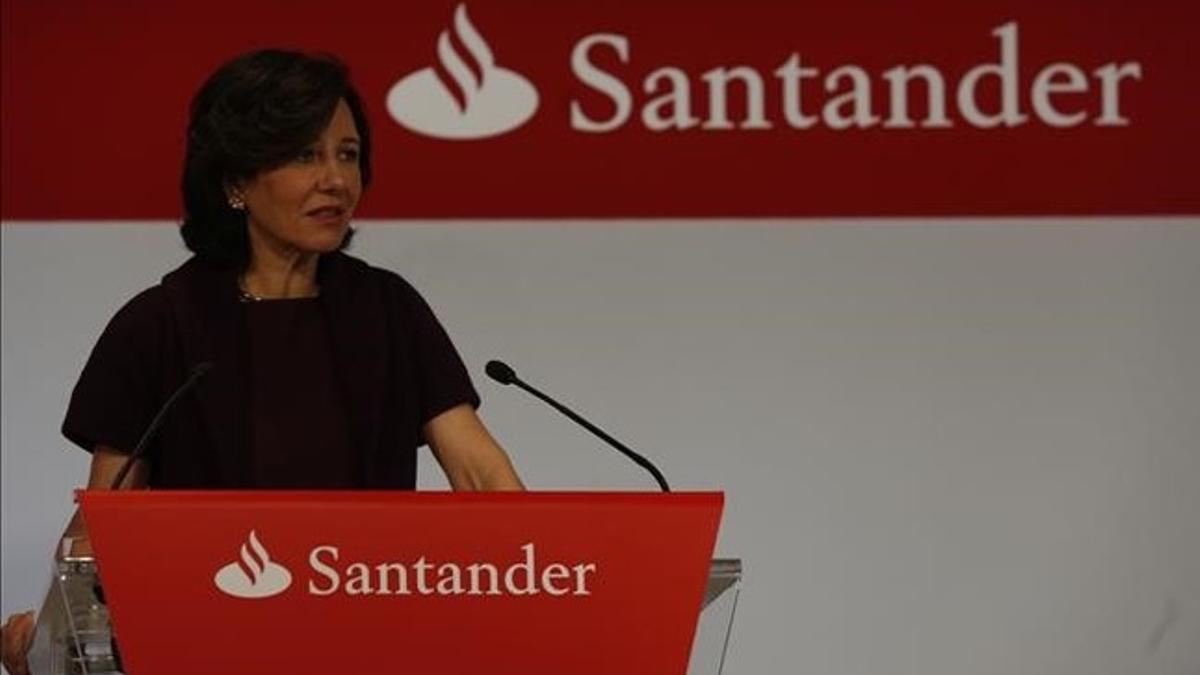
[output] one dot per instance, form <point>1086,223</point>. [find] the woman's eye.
<point>350,154</point>
<point>306,156</point>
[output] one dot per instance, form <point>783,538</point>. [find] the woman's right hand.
<point>16,635</point>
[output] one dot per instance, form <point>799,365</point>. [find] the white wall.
<point>948,447</point>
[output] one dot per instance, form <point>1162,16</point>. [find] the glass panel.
<point>716,618</point>
<point>73,634</point>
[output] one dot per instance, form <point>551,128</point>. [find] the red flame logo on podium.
<point>254,575</point>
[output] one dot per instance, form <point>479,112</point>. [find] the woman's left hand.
<point>471,458</point>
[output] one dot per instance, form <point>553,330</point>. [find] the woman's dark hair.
<point>254,114</point>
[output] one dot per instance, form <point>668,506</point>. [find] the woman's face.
<point>305,205</point>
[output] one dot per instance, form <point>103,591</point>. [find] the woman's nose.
<point>333,175</point>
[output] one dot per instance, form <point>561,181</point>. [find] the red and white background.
<point>914,283</point>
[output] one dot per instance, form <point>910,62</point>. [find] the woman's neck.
<point>273,276</point>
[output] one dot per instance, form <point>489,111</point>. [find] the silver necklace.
<point>246,296</point>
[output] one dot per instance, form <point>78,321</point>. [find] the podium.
<point>381,582</point>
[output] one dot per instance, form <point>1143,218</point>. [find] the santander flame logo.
<point>255,575</point>
<point>480,99</point>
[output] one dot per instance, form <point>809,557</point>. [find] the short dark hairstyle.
<point>253,114</point>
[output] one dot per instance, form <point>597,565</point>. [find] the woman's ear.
<point>236,197</point>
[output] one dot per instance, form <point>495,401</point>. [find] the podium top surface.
<point>442,498</point>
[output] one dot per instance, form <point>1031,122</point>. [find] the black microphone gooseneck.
<point>198,372</point>
<point>502,373</point>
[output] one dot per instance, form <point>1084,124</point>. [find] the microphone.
<point>198,371</point>
<point>504,374</point>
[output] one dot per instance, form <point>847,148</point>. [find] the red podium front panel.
<point>388,582</point>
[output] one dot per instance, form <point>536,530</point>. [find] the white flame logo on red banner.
<point>480,100</point>
<point>255,575</point>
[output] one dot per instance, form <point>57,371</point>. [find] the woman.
<point>325,372</point>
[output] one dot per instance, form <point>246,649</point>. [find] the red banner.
<point>666,108</point>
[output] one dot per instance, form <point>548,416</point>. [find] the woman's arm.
<point>471,458</point>
<point>106,463</point>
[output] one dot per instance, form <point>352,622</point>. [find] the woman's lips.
<point>327,213</point>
